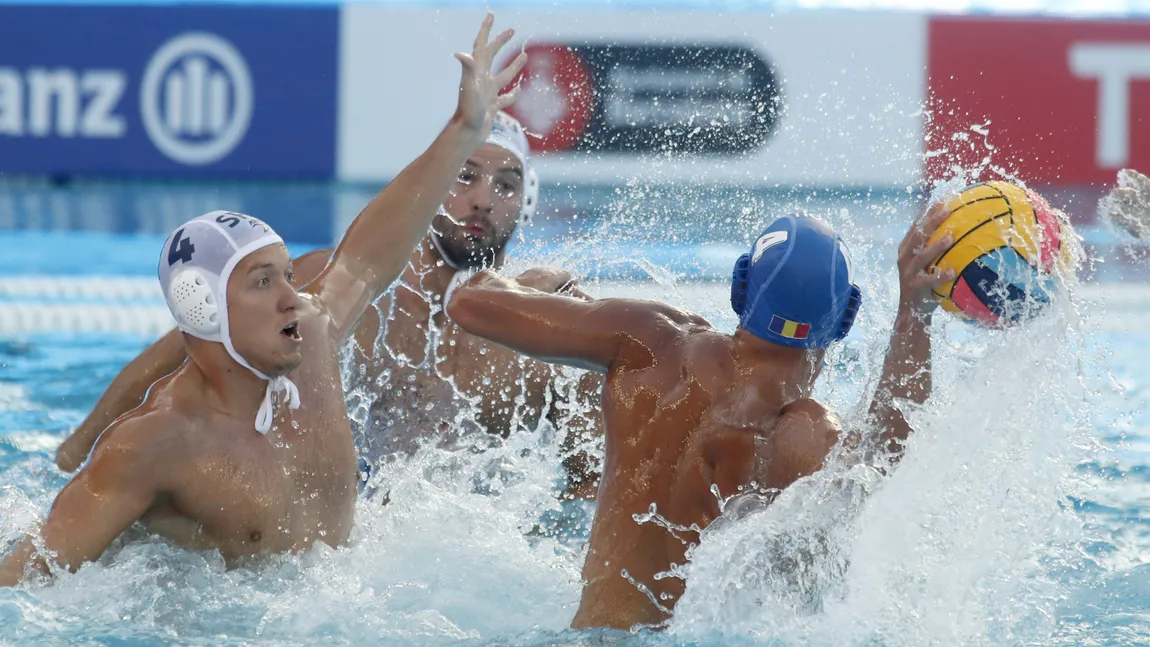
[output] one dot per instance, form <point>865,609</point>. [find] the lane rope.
<point>133,305</point>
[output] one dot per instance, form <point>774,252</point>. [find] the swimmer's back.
<point>669,376</point>
<point>735,445</point>
<point>682,420</point>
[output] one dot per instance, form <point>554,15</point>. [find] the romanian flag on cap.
<point>789,329</point>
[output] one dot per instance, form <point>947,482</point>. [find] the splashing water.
<point>967,542</point>
<point>1003,524</point>
<point>955,547</point>
<point>438,564</point>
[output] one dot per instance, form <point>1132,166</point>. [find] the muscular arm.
<point>379,241</point>
<point>554,328</point>
<point>113,490</point>
<point>376,247</point>
<point>906,376</point>
<point>129,388</point>
<point>125,393</point>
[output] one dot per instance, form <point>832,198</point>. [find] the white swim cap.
<point>507,133</point>
<point>195,264</point>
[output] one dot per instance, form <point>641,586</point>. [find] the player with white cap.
<point>472,385</point>
<point>213,459</point>
<point>194,278</point>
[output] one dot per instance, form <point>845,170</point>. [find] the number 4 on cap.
<point>181,249</point>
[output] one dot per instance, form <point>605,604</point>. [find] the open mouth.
<point>291,331</point>
<point>475,230</point>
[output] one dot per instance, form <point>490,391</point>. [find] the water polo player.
<point>471,382</point>
<point>689,409</point>
<point>246,449</point>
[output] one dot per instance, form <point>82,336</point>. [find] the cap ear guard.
<point>854,302</point>
<point>194,304</point>
<point>739,283</point>
<point>530,197</point>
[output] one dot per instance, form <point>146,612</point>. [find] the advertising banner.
<point>1060,102</point>
<point>188,91</point>
<point>817,97</point>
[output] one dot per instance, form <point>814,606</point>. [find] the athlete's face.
<point>264,311</point>
<point>482,208</point>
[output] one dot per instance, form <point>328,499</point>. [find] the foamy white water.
<point>975,539</point>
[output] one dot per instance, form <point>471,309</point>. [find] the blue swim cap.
<point>794,287</point>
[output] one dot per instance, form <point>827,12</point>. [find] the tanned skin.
<point>688,408</point>
<point>419,391</point>
<point>188,463</point>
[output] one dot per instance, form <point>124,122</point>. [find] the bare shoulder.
<point>141,445</point>
<point>810,417</point>
<point>810,412</point>
<point>167,413</point>
<point>654,318</point>
<point>806,432</point>
<point>678,316</point>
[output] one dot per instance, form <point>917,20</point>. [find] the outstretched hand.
<point>917,274</point>
<point>479,97</point>
<point>1128,204</point>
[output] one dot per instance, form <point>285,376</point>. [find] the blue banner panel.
<point>174,91</point>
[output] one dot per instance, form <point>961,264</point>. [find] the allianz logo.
<point>196,100</point>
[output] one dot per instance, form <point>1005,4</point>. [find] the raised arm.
<point>379,241</point>
<point>906,371</point>
<point>113,490</point>
<point>554,327</point>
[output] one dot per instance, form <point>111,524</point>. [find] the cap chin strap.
<point>439,246</point>
<point>267,409</point>
<point>458,279</point>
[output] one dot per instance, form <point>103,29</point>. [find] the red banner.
<point>1059,102</point>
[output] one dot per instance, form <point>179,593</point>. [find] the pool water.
<point>1021,515</point>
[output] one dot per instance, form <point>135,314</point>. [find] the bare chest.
<point>430,379</point>
<point>246,493</point>
<point>277,493</point>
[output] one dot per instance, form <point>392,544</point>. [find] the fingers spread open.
<point>502,39</point>
<point>511,71</point>
<point>932,251</point>
<point>468,62</point>
<point>484,33</point>
<point>934,218</point>
<point>506,100</point>
<point>932,279</point>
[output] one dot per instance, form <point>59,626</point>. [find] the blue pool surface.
<point>1020,517</point>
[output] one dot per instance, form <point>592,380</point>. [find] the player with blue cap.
<point>794,288</point>
<point>694,415</point>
